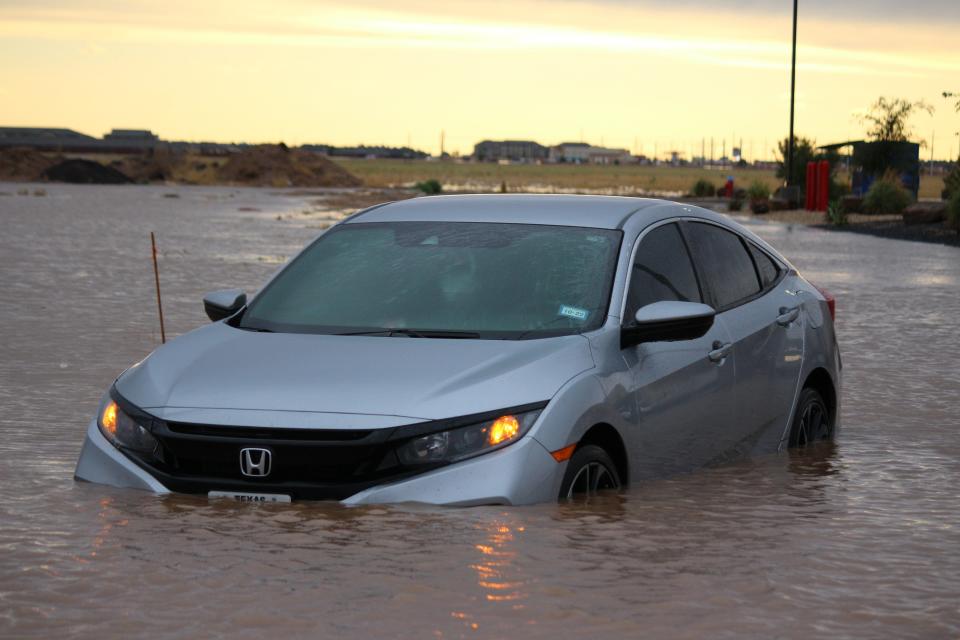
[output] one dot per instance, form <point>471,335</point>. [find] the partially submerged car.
<point>483,350</point>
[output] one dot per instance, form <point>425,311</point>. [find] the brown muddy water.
<point>860,538</point>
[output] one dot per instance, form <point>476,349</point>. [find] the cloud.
<point>334,25</point>
<point>933,12</point>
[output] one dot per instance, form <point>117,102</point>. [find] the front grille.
<point>318,464</point>
<point>219,431</point>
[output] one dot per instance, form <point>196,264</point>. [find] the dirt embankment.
<point>279,166</point>
<point>262,166</point>
<point>24,165</point>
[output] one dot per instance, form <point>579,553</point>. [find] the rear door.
<point>683,402</point>
<point>765,326</point>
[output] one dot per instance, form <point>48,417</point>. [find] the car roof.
<point>606,212</point>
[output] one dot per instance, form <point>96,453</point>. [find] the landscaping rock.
<point>925,212</point>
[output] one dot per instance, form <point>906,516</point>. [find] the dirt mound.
<point>150,167</point>
<point>276,165</point>
<point>24,164</point>
<point>84,172</point>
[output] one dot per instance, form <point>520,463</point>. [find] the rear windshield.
<point>484,280</point>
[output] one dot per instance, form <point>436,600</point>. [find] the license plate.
<point>237,496</point>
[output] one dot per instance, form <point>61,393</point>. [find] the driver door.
<point>682,392</point>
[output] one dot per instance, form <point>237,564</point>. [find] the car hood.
<point>219,368</point>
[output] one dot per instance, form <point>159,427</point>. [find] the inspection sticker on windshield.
<point>573,312</point>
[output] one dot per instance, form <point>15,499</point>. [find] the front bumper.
<point>522,473</point>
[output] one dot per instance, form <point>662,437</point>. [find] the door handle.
<point>720,351</point>
<point>787,316</point>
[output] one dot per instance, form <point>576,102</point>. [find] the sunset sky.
<point>645,74</point>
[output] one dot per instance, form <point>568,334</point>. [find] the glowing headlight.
<point>465,442</point>
<point>122,430</point>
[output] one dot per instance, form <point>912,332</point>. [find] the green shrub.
<point>836,214</point>
<point>703,189</point>
<point>886,195</point>
<point>951,182</point>
<point>736,204</point>
<point>758,190</point>
<point>953,211</point>
<point>430,187</point>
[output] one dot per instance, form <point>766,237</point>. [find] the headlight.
<point>122,430</point>
<point>465,442</point>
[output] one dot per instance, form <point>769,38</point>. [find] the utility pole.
<point>933,138</point>
<point>443,135</point>
<point>703,151</point>
<point>793,77</point>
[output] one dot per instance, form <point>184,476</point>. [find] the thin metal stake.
<point>156,278</point>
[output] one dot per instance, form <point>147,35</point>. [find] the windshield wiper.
<point>414,333</point>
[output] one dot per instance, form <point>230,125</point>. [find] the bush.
<point>951,182</point>
<point>758,190</point>
<point>837,213</point>
<point>886,195</point>
<point>953,211</point>
<point>703,189</point>
<point>430,187</point>
<point>736,204</point>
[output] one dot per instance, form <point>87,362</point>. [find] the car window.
<point>767,268</point>
<point>498,280</point>
<point>724,263</point>
<point>662,270</point>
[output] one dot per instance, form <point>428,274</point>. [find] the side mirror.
<point>224,303</point>
<point>668,321</point>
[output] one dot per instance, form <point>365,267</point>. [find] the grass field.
<point>623,179</point>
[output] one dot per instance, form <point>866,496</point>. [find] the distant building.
<point>363,151</point>
<point>48,139</point>
<point>144,140</point>
<point>511,150</point>
<point>583,153</point>
<point>575,152</point>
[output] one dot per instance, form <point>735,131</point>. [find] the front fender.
<point>580,404</point>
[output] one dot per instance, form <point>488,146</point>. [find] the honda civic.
<point>483,349</point>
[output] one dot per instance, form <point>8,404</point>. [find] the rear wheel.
<point>811,422</point>
<point>591,469</point>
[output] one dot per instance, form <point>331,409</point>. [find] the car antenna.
<point>156,279</point>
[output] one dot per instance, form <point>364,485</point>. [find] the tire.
<point>812,421</point>
<point>591,469</point>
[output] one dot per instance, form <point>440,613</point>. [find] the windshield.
<point>443,279</point>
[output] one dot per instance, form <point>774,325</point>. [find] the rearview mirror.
<point>668,321</point>
<point>224,303</point>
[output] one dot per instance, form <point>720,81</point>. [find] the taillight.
<point>831,301</point>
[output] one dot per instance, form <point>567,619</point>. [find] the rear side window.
<point>767,268</point>
<point>662,270</point>
<point>724,263</point>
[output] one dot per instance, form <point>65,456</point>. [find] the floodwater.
<point>857,539</point>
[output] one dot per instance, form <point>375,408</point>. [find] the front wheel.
<point>591,469</point>
<point>811,422</point>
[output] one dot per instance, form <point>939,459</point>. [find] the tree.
<point>953,94</point>
<point>888,119</point>
<point>804,151</point>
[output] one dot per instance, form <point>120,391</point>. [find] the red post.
<point>823,186</point>
<point>810,202</point>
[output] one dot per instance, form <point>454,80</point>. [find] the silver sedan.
<point>483,350</point>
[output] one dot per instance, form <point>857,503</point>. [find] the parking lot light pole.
<point>793,77</point>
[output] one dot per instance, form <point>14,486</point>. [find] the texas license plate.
<point>237,496</point>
